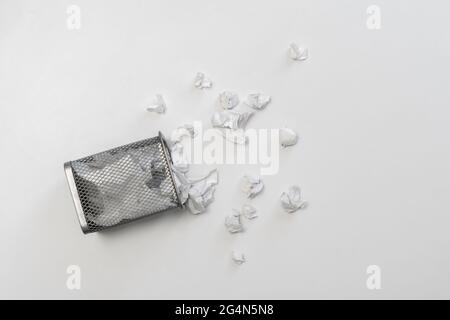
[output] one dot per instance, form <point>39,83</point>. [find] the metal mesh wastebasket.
<point>122,184</point>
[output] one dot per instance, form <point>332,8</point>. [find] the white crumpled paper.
<point>190,128</point>
<point>201,192</point>
<point>298,53</point>
<point>232,125</point>
<point>257,101</point>
<point>230,119</point>
<point>158,105</point>
<point>202,81</point>
<point>179,159</point>
<point>233,223</point>
<point>198,193</point>
<point>248,211</point>
<point>291,200</point>
<point>288,137</point>
<point>186,130</point>
<point>228,100</point>
<point>236,136</point>
<point>238,257</point>
<point>252,185</point>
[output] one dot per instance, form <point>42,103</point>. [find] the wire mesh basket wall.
<point>122,184</point>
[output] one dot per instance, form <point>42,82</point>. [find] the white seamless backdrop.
<point>371,108</point>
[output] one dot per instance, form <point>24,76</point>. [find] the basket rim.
<point>168,159</point>
<point>76,197</point>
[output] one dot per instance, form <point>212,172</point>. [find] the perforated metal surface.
<point>122,184</point>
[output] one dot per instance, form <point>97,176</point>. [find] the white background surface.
<point>371,107</point>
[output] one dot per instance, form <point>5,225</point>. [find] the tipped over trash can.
<point>122,184</point>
